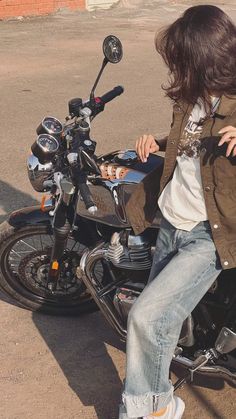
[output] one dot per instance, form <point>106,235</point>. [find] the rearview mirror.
<point>112,49</point>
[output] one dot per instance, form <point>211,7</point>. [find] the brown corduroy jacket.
<point>218,174</point>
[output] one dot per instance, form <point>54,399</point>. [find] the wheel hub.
<point>34,268</point>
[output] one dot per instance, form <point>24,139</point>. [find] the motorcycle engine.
<point>129,252</point>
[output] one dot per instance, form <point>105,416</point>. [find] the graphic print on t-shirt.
<point>189,144</point>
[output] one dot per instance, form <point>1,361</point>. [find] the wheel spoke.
<point>27,244</point>
<point>16,253</point>
<point>40,238</point>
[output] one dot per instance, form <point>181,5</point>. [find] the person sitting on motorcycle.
<point>197,237</point>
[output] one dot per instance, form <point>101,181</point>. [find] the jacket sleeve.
<point>162,143</point>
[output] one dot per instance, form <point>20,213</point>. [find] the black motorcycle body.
<point>112,191</point>
<point>78,252</point>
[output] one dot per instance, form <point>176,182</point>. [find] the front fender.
<point>29,216</point>
<point>85,232</point>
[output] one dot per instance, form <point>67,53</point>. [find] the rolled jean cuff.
<point>145,404</point>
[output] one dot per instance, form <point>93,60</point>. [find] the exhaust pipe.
<point>85,270</point>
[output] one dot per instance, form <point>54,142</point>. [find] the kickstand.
<point>181,381</point>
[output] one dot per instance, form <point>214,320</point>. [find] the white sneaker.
<point>175,410</point>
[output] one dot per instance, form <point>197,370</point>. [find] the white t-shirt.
<point>182,201</point>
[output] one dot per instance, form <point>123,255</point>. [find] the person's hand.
<point>146,145</point>
<point>229,137</point>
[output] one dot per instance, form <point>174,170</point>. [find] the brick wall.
<point>11,8</point>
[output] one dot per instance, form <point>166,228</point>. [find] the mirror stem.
<point>105,61</point>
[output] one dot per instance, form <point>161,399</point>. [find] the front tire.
<point>24,261</point>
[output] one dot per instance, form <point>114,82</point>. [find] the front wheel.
<point>24,263</point>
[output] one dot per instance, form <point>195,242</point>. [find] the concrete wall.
<point>14,8</point>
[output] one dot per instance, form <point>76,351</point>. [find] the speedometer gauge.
<point>45,148</point>
<point>50,125</point>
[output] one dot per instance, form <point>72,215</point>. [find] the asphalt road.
<point>73,368</point>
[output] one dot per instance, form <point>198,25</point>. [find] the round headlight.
<point>40,175</point>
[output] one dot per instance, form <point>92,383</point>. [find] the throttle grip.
<point>107,97</point>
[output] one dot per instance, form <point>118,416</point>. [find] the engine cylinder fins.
<point>135,255</point>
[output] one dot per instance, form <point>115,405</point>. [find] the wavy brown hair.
<point>199,49</point>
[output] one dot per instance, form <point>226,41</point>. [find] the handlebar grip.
<point>80,180</point>
<point>107,97</point>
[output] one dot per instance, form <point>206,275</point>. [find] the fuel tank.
<point>121,171</point>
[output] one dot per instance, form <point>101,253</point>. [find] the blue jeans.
<point>185,265</point>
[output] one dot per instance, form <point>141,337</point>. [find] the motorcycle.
<point>77,252</point>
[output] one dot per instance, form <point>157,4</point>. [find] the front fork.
<point>61,231</point>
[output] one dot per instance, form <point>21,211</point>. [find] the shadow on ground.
<point>197,389</point>
<point>79,345</point>
<point>12,199</point>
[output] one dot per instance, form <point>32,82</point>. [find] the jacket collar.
<point>226,107</point>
